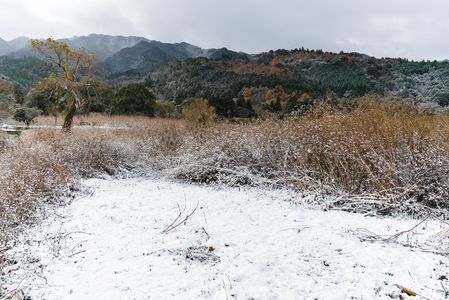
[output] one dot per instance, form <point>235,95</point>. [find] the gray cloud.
<point>406,28</point>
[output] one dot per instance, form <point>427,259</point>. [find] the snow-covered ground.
<point>117,243</point>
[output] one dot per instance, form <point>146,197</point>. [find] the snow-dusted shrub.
<point>374,148</point>
<point>31,173</point>
<point>43,165</point>
<point>370,147</point>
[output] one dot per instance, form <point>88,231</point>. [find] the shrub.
<point>25,115</point>
<point>198,112</point>
<point>164,109</point>
<point>367,146</point>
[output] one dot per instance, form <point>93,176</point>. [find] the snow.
<point>237,244</point>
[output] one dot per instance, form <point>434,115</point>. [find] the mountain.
<point>147,56</point>
<point>122,54</point>
<point>102,45</point>
<point>4,47</point>
<point>20,43</point>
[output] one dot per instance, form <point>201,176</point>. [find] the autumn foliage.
<point>198,112</point>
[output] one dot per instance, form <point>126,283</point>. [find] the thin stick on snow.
<point>79,252</point>
<point>13,291</point>
<point>71,250</point>
<point>205,221</point>
<point>432,244</point>
<point>370,236</point>
<point>175,225</point>
<point>174,221</point>
<point>444,288</point>
<point>205,231</point>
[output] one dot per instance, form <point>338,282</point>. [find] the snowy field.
<point>158,239</point>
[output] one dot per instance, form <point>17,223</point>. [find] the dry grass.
<point>387,148</point>
<point>95,119</point>
<point>375,147</point>
<point>45,164</point>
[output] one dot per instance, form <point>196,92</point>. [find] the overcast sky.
<point>415,29</point>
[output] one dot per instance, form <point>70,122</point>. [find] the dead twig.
<point>73,248</point>
<point>225,288</point>
<point>205,231</point>
<point>76,253</point>
<point>435,243</point>
<point>177,223</point>
<point>367,235</point>
<point>444,289</point>
<point>14,291</point>
<point>174,221</point>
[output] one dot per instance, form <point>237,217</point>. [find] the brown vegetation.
<point>198,112</point>
<point>370,146</point>
<point>97,119</point>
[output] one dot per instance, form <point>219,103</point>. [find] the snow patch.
<point>237,244</point>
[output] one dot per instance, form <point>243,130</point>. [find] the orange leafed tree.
<point>72,73</point>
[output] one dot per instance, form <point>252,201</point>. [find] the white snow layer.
<point>238,244</point>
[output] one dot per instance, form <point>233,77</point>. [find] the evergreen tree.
<point>133,99</point>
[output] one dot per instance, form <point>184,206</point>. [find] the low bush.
<point>44,165</point>
<point>369,146</point>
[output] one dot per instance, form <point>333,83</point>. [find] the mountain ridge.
<point>128,52</point>
<point>147,56</point>
<point>102,45</point>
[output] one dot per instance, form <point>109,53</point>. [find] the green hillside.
<point>301,71</point>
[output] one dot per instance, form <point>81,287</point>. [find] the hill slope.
<point>146,56</point>
<point>25,71</point>
<point>282,73</point>
<point>102,45</point>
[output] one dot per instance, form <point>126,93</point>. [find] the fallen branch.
<point>370,236</point>
<point>429,245</point>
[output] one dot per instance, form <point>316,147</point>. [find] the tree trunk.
<point>68,120</point>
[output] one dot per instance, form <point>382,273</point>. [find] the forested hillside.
<point>284,75</point>
<point>26,71</point>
